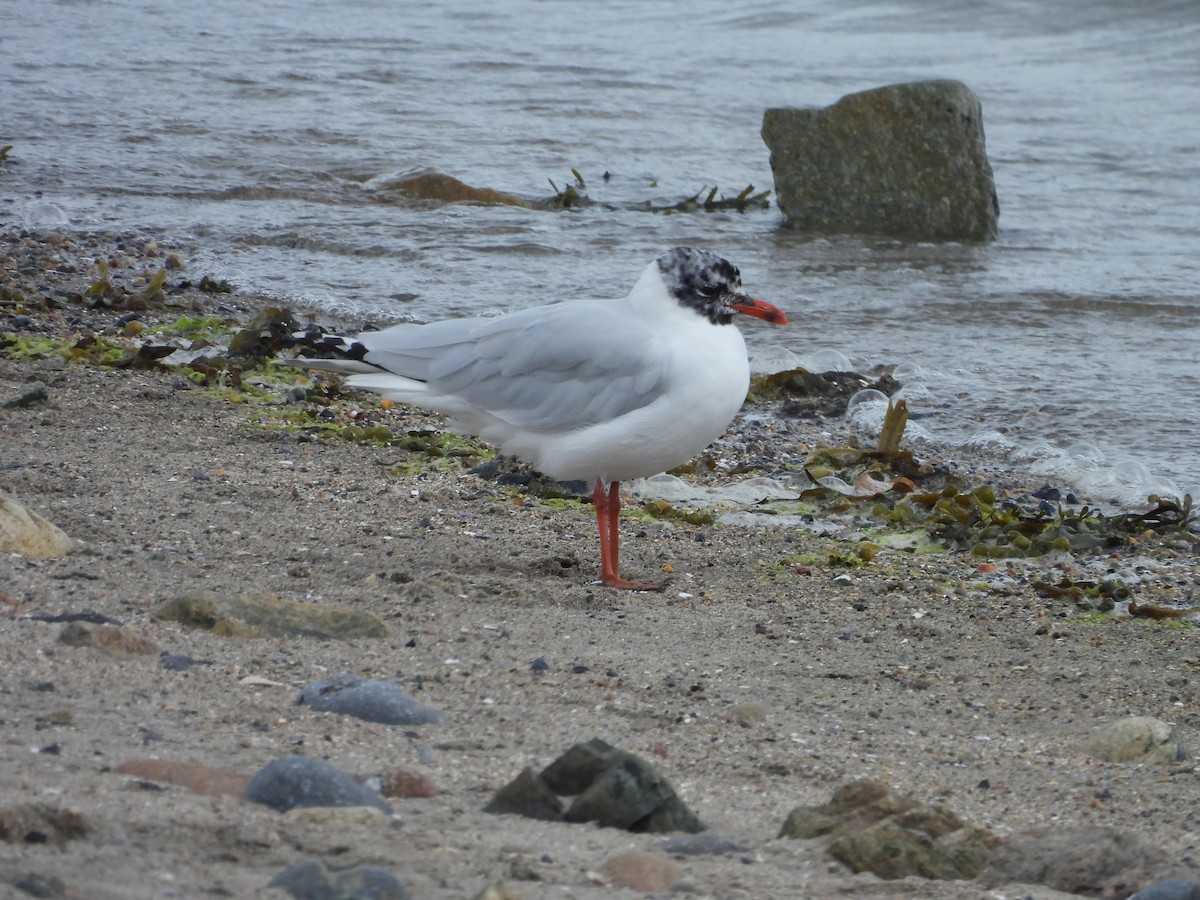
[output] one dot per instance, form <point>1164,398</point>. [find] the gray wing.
<point>551,368</point>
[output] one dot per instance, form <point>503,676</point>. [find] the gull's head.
<point>711,286</point>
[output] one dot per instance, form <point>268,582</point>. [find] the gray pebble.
<point>373,701</point>
<point>297,781</point>
<point>1170,889</point>
<point>705,844</point>
<point>309,881</point>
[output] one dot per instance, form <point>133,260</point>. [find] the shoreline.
<point>925,672</point>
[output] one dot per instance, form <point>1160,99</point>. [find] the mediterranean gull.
<point>594,390</point>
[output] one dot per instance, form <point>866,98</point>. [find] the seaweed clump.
<point>901,493</point>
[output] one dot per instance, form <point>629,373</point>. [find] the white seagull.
<point>594,390</point>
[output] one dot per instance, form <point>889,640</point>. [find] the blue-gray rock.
<point>706,844</point>
<point>297,781</point>
<point>1169,889</point>
<point>35,884</point>
<point>907,161</point>
<point>374,701</point>
<point>309,881</point>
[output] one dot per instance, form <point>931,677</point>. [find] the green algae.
<point>661,509</point>
<point>253,616</point>
<point>196,326</point>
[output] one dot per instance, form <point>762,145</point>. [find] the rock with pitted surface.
<point>1137,739</point>
<point>612,787</point>
<point>906,161</point>
<point>870,828</point>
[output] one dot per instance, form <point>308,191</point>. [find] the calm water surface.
<point>260,137</point>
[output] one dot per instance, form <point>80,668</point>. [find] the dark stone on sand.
<point>41,823</point>
<point>180,662</point>
<point>373,701</point>
<point>297,781</point>
<point>250,616</point>
<point>870,828</point>
<point>906,160</point>
<point>1093,860</point>
<point>33,394</point>
<point>575,770</point>
<point>527,795</point>
<point>310,881</point>
<point>612,787</point>
<point>35,884</point>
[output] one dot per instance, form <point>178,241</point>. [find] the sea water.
<point>258,137</point>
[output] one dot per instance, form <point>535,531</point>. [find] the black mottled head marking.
<point>702,281</point>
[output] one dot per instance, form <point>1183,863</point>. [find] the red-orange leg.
<point>608,521</point>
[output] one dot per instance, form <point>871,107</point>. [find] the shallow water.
<point>256,136</point>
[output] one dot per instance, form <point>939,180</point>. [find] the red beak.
<point>761,309</point>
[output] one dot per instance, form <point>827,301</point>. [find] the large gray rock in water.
<point>904,161</point>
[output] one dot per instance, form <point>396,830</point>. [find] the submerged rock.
<point>250,616</point>
<point>24,532</point>
<point>373,701</point>
<point>907,161</point>
<point>433,184</point>
<point>872,829</point>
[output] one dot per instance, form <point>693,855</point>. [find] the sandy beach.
<point>756,682</point>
